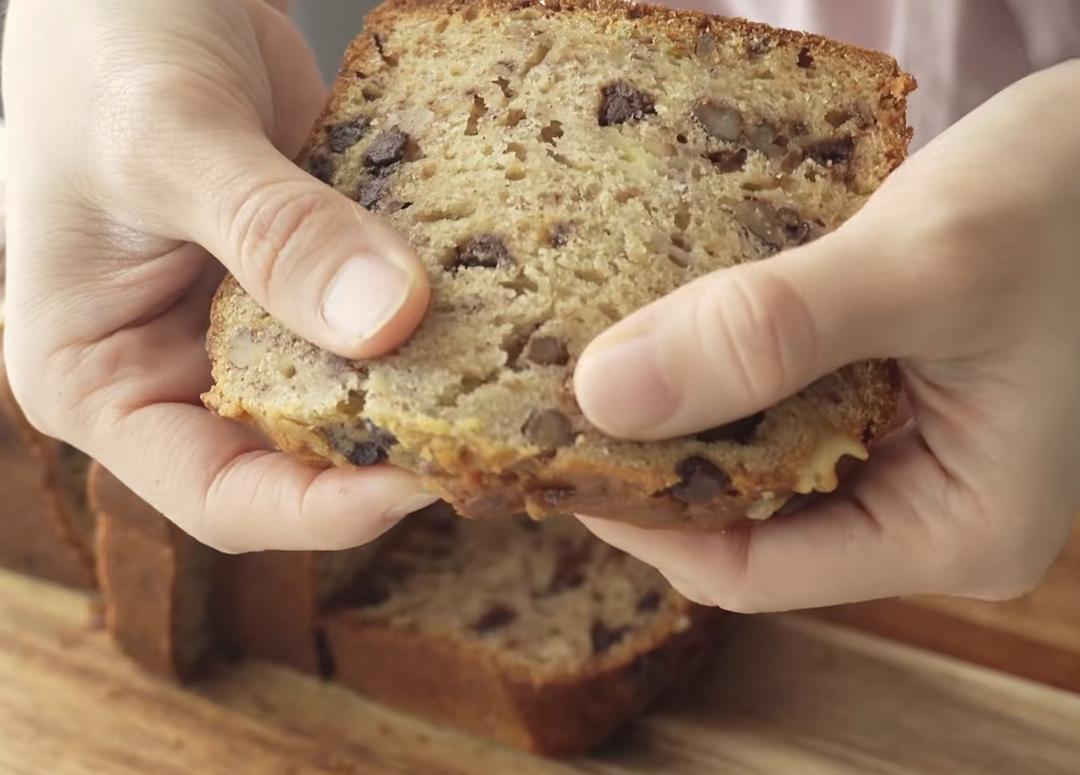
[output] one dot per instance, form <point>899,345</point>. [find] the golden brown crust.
<point>449,682</point>
<point>155,582</point>
<point>41,531</point>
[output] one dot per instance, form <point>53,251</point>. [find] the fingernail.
<point>366,295</point>
<point>411,506</point>
<point>621,386</point>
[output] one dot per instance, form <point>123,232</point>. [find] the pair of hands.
<point>153,152</point>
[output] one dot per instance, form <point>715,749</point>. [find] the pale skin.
<point>160,135</point>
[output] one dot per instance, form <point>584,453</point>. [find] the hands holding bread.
<point>154,154</point>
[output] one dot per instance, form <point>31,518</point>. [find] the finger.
<point>880,537</point>
<point>299,92</point>
<point>331,271</point>
<point>218,482</point>
<point>742,339</point>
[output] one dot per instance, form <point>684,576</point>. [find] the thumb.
<point>742,339</point>
<point>328,269</point>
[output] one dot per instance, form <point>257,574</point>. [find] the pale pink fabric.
<point>961,51</point>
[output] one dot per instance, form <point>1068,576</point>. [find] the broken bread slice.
<point>557,166</point>
<point>536,635</point>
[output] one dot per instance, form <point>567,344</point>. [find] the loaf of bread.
<point>46,528</point>
<point>155,581</point>
<point>559,165</point>
<point>534,634</point>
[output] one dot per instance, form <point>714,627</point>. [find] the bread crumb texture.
<point>557,166</point>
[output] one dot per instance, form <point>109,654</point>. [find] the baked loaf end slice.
<point>155,580</point>
<point>534,634</point>
<point>46,528</point>
<point>558,166</point>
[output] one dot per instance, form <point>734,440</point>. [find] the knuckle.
<point>269,223</point>
<point>765,330</point>
<point>1001,563</point>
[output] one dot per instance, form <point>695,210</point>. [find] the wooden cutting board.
<point>785,695</point>
<point>1037,636</point>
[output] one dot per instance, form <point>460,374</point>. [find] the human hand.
<point>148,136</point>
<point>965,266</point>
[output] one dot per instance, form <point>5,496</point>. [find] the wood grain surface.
<point>1037,636</point>
<point>785,695</point>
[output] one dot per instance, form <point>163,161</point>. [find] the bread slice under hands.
<point>557,166</point>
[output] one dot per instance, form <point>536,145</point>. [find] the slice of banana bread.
<point>46,528</point>
<point>155,581</point>
<point>558,165</point>
<point>266,605</point>
<point>534,634</point>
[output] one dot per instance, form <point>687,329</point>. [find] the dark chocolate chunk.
<point>650,601</point>
<point>569,572</point>
<point>374,449</point>
<point>387,148</point>
<point>547,351</point>
<point>321,167</point>
<point>806,59</point>
<point>604,637</point>
<point>741,431</point>
<point>487,251</point>
<point>700,481</point>
<point>496,617</point>
<point>831,150</point>
<point>373,190</point>
<point>560,235</point>
<point>549,429</point>
<point>728,159</point>
<point>341,137</point>
<point>621,102</point>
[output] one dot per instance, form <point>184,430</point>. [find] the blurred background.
<point>329,26</point>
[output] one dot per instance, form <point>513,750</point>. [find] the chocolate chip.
<point>650,601</point>
<point>486,251</point>
<point>549,429</point>
<point>721,121</point>
<point>806,60</point>
<point>496,617</point>
<point>604,637</point>
<point>837,118</point>
<point>560,235</point>
<point>569,572</point>
<point>387,148</point>
<point>321,167</point>
<point>728,159</point>
<point>831,151</point>
<point>700,481</point>
<point>741,431</point>
<point>547,351</point>
<point>341,137</point>
<point>374,449</point>
<point>620,102</point>
<point>373,190</point>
